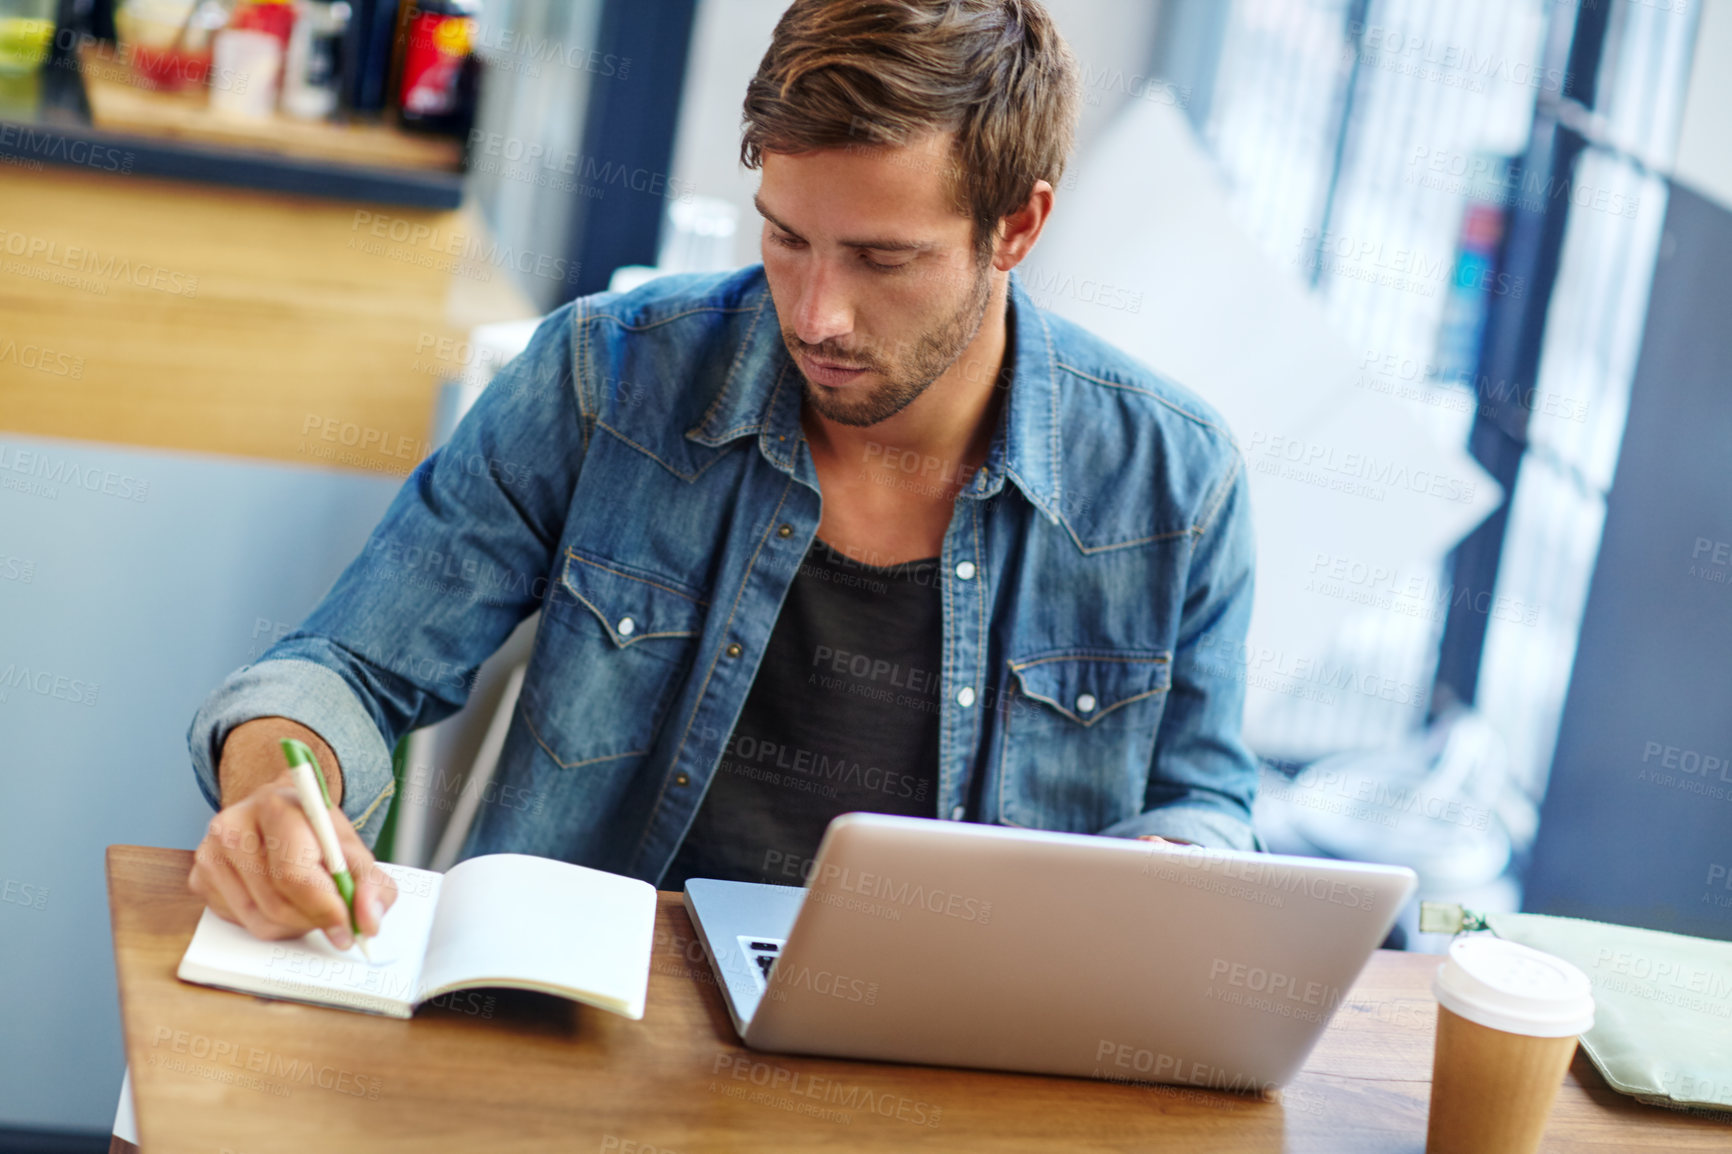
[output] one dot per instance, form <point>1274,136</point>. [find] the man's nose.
<point>824,312</point>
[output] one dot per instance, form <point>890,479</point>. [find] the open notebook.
<point>499,920</point>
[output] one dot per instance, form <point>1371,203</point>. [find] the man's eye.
<point>879,266</point>
<point>786,241</point>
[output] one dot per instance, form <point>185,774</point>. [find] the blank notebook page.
<point>518,920</point>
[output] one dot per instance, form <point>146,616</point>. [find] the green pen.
<point>316,801</point>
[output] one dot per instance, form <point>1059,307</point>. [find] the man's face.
<point>873,271</point>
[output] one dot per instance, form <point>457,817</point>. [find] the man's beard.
<point>903,380</point>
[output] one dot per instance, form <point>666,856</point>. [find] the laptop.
<point>958,944</point>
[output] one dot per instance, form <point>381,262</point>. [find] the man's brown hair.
<point>872,73</point>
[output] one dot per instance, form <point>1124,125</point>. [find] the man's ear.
<point>1017,231</point>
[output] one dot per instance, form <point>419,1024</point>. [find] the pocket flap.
<point>1086,685</point>
<point>632,606</point>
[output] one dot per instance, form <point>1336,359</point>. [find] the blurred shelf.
<point>83,111</point>
<point>118,103</point>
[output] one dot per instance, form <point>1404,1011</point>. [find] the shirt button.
<point>965,697</point>
<point>734,649</point>
<point>682,779</point>
<point>785,531</point>
<point>965,570</point>
<point>626,627</point>
<point>957,813</point>
<point>1085,703</point>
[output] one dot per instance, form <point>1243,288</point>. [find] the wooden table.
<point>502,1071</point>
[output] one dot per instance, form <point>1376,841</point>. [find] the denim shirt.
<point>639,475</point>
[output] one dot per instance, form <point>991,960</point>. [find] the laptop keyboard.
<point>763,953</point>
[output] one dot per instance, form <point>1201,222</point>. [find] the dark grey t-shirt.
<point>842,716</point>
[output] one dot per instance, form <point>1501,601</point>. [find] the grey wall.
<point>534,98</point>
<point>1704,159</point>
<point>1637,824</point>
<point>152,602</point>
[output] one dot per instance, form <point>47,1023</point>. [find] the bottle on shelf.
<point>167,43</point>
<point>438,75</point>
<point>276,17</point>
<point>367,57</point>
<point>26,27</point>
<point>312,70</point>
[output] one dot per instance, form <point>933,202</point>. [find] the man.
<point>860,528</point>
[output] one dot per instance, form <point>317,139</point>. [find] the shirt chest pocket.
<point>1079,735</point>
<point>613,649</point>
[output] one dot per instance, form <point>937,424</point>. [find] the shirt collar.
<point>763,392</point>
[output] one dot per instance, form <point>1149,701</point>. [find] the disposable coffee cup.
<point>1508,1017</point>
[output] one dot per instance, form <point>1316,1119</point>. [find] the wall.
<point>141,604</point>
<point>1704,159</point>
<point>1634,829</point>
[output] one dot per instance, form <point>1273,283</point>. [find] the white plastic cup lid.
<point>1514,988</point>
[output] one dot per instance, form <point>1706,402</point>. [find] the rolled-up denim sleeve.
<point>320,699</point>
<point>463,554</point>
<point>1203,777</point>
